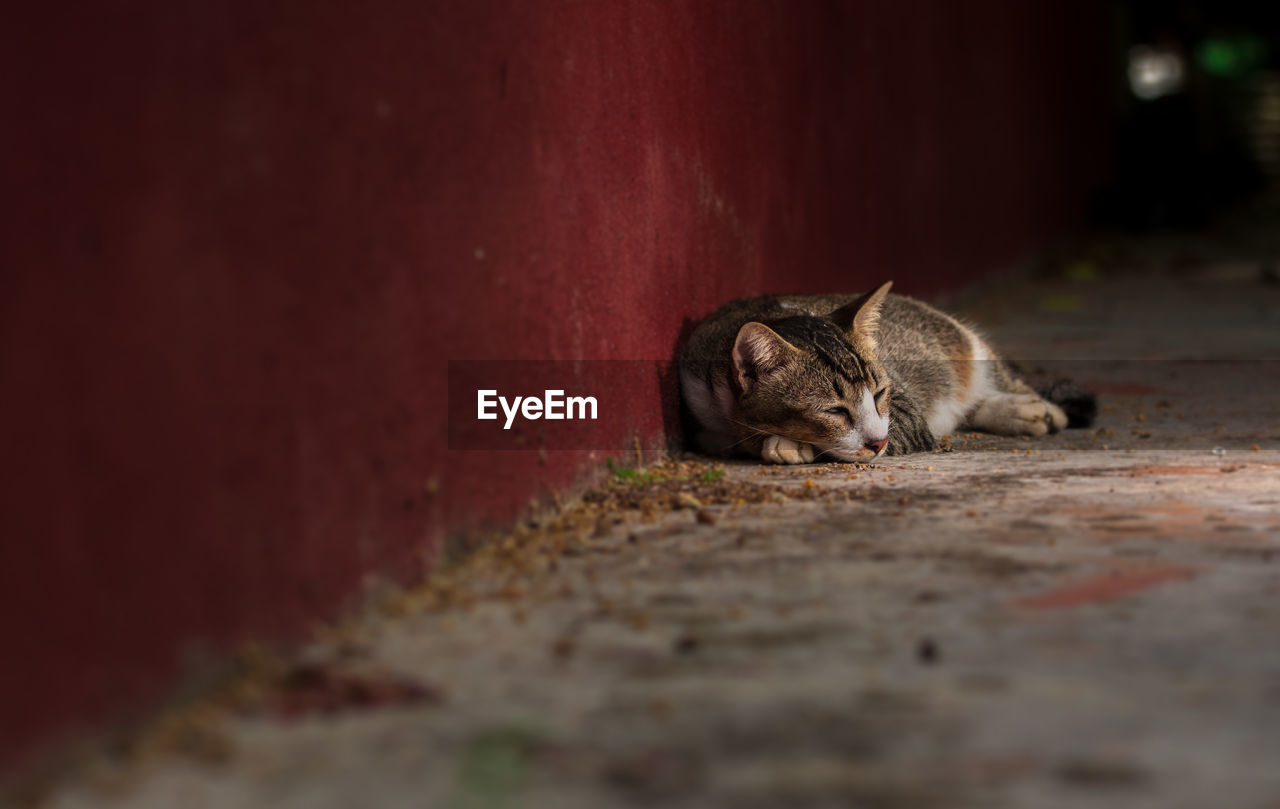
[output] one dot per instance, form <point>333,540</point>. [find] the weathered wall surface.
<point>243,240</point>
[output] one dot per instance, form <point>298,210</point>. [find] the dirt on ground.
<point>1087,619</point>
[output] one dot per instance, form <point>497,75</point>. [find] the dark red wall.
<point>244,238</point>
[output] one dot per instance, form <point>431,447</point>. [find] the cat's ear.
<point>861,318</point>
<point>757,351</point>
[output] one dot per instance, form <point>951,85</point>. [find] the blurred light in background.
<point>1232,56</point>
<point>1154,72</point>
<point>1264,130</point>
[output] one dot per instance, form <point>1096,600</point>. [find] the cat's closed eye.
<point>878,395</point>
<point>840,411</point>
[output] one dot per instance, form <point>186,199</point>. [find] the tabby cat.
<point>802,378</point>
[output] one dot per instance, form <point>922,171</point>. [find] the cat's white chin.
<point>848,454</point>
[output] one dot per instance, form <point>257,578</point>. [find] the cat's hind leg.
<point>1009,406</point>
<point>1022,413</point>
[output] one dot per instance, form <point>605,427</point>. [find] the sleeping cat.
<point>802,378</point>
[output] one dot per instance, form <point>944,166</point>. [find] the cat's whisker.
<point>744,424</point>
<point>743,440</point>
<point>754,432</point>
<point>832,450</point>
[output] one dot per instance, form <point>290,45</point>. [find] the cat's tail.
<point>1078,402</point>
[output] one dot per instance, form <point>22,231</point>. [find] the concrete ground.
<point>1091,619</point>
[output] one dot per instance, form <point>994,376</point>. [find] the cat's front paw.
<point>783,450</point>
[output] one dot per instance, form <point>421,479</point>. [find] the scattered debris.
<point>686,644</point>
<point>319,688</point>
<point>686,500</point>
<point>927,652</point>
<point>1101,773</point>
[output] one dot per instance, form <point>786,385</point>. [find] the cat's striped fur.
<point>798,378</point>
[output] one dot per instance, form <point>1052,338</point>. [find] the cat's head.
<point>817,380</point>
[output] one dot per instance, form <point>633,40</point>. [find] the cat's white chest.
<point>950,412</point>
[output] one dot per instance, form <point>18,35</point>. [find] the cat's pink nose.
<point>876,446</point>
